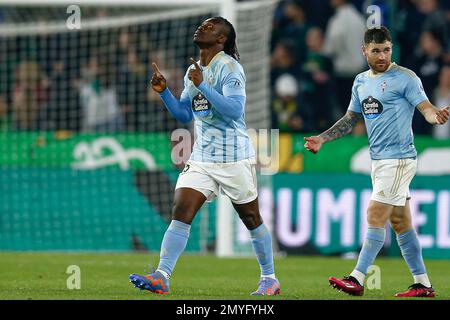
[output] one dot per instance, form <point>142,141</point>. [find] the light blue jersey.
<point>387,102</point>
<point>218,138</point>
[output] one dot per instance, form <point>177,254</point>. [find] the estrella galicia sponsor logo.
<point>200,105</point>
<point>372,108</point>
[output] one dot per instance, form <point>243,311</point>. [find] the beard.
<point>375,67</point>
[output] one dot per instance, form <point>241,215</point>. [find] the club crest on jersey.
<point>371,108</point>
<point>200,105</point>
<point>383,86</point>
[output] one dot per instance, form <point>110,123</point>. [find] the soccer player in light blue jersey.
<point>223,159</point>
<point>386,96</point>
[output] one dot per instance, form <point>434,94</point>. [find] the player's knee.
<point>396,225</point>
<point>251,219</point>
<point>183,212</point>
<point>378,215</point>
<point>400,225</point>
<point>375,220</point>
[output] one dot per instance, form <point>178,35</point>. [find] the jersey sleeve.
<point>185,93</point>
<point>355,104</point>
<point>184,97</point>
<point>233,83</point>
<point>414,92</point>
<point>180,109</point>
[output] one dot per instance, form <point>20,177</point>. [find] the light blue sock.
<point>411,251</point>
<point>372,245</point>
<point>262,244</point>
<point>173,244</point>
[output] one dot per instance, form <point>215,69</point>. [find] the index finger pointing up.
<point>155,68</point>
<point>195,64</point>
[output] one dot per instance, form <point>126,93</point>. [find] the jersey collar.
<point>217,56</point>
<point>380,74</point>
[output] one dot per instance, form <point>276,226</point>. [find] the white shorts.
<point>391,179</point>
<point>237,180</point>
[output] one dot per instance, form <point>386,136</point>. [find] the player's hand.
<point>195,74</point>
<point>442,115</point>
<point>313,143</point>
<point>158,81</point>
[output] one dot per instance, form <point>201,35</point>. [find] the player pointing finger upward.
<point>223,160</point>
<point>158,81</point>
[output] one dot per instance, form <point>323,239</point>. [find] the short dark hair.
<point>377,35</point>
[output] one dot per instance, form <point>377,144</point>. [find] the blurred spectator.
<point>288,113</point>
<point>318,12</point>
<point>28,95</point>
<point>101,110</point>
<point>161,119</point>
<point>317,73</point>
<point>283,61</point>
<point>7,79</point>
<point>408,27</point>
<point>3,114</point>
<point>132,83</point>
<point>435,20</point>
<point>343,41</point>
<point>427,63</point>
<point>279,22</point>
<point>295,30</point>
<point>441,99</point>
<point>61,112</point>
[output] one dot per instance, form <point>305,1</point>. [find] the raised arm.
<point>180,109</point>
<point>341,128</point>
<point>432,114</point>
<point>230,105</point>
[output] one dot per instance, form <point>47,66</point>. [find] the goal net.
<point>85,146</point>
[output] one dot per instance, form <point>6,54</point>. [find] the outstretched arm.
<point>341,128</point>
<point>432,114</point>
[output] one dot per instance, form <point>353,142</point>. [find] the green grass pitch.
<point>104,276</point>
